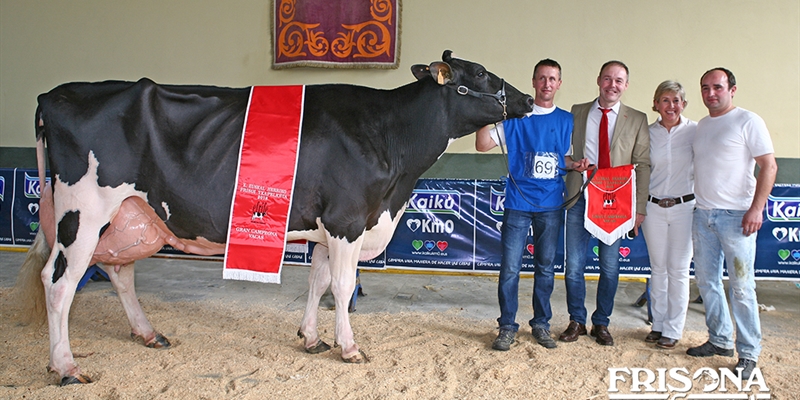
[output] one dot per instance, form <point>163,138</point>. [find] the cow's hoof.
<point>159,342</point>
<point>319,347</point>
<point>358,358</point>
<point>72,380</point>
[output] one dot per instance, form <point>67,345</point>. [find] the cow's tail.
<point>29,290</point>
<point>40,155</point>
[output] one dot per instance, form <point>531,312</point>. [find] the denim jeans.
<point>546,229</point>
<point>717,236</point>
<point>577,242</point>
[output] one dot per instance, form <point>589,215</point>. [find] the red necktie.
<point>603,156</point>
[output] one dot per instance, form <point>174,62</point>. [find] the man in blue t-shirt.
<point>537,145</point>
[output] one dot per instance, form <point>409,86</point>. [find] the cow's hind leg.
<point>343,265</point>
<point>318,280</point>
<point>68,261</point>
<point>123,282</point>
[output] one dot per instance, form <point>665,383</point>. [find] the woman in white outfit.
<point>668,227</point>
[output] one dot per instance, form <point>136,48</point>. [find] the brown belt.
<point>667,203</point>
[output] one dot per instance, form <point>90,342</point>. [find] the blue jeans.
<point>577,242</point>
<point>717,236</point>
<point>546,228</point>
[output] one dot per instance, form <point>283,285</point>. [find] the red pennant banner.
<point>611,203</point>
<point>264,184</point>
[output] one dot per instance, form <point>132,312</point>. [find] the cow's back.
<point>178,144</point>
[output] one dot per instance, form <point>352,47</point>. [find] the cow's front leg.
<point>319,278</point>
<point>122,279</point>
<point>343,265</point>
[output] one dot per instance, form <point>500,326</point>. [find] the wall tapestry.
<point>336,33</point>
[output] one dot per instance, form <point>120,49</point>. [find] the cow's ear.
<point>420,71</point>
<point>441,72</point>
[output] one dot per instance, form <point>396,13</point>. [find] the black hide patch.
<point>103,229</point>
<point>68,228</point>
<point>61,266</point>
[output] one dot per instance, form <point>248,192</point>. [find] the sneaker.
<point>542,336</point>
<point>504,340</point>
<point>708,349</point>
<point>746,367</point>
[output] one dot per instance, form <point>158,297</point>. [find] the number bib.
<point>541,165</point>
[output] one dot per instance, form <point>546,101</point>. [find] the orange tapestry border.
<point>336,33</point>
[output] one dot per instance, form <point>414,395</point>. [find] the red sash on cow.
<point>611,203</point>
<point>264,184</point>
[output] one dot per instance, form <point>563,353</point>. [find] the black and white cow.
<point>136,165</point>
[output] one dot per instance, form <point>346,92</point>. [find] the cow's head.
<point>500,99</point>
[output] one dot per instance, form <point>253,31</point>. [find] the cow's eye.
<point>481,74</point>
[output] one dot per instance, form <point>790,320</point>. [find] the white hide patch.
<point>165,206</point>
<point>97,205</point>
<point>375,240</point>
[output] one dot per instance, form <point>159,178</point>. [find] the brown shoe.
<point>652,337</point>
<point>601,335</point>
<point>574,330</point>
<point>666,343</point>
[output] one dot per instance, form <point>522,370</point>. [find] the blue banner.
<point>454,225</point>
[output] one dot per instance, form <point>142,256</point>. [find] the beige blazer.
<point>630,144</point>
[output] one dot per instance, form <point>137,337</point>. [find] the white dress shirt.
<point>671,155</point>
<point>593,129</point>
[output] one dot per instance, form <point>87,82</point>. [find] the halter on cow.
<point>136,154</point>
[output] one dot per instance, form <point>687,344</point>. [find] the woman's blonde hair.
<point>669,87</point>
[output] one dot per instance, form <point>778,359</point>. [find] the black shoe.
<point>747,367</point>
<point>602,335</point>
<point>652,337</point>
<point>542,337</point>
<point>708,349</point>
<point>504,340</point>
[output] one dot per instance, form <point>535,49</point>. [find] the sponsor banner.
<point>455,225</point>
<point>6,198</point>
<point>25,206</point>
<point>778,242</point>
<point>437,229</point>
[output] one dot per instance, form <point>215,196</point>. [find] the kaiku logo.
<point>435,201</point>
<point>783,209</point>
<point>497,201</point>
<point>32,188</point>
<point>676,382</point>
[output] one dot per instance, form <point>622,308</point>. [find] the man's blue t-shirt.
<point>536,148</point>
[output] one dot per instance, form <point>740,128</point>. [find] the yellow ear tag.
<point>440,77</point>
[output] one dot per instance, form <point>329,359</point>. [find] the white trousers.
<point>668,233</point>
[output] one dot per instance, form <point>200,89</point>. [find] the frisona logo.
<point>783,209</point>
<point>435,201</point>
<point>497,201</point>
<point>2,188</point>
<point>675,383</point>
<point>32,187</point>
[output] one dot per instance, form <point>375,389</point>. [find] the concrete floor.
<point>172,279</point>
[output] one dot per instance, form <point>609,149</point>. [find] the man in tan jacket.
<point>627,142</point>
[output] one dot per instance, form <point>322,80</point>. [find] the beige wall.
<point>47,42</point>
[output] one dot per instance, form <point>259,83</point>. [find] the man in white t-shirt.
<point>729,142</point>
